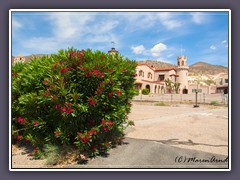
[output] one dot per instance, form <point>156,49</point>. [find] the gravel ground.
<point>181,126</point>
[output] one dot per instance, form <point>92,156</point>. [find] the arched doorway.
<point>155,90</point>
<point>185,91</point>
<point>148,87</point>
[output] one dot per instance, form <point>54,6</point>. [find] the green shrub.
<point>161,104</point>
<point>136,92</point>
<point>214,102</point>
<point>145,91</point>
<point>74,97</point>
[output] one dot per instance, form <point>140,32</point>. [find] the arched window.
<point>140,73</point>
<point>182,63</point>
<point>150,75</point>
<point>178,63</point>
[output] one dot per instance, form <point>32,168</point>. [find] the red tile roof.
<point>157,82</point>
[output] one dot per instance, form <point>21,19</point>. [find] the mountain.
<point>157,64</point>
<point>28,58</point>
<point>200,68</point>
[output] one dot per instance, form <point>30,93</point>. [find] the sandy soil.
<point>204,128</point>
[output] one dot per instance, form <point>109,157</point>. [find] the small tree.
<point>168,84</point>
<point>176,86</point>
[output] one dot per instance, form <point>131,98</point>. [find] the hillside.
<point>157,64</point>
<point>200,68</point>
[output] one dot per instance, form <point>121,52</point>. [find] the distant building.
<point>152,78</point>
<point>19,58</point>
<point>222,84</point>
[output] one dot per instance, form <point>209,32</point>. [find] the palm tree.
<point>176,86</point>
<point>168,84</point>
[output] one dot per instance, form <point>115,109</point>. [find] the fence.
<point>185,98</point>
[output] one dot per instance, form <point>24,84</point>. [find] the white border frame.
<point>119,10</point>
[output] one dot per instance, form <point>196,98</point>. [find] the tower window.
<point>178,63</point>
<point>182,63</point>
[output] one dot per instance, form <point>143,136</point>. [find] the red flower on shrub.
<point>35,150</point>
<point>69,111</point>
<point>18,137</point>
<point>88,74</point>
<point>91,101</point>
<point>102,56</point>
<point>54,97</point>
<point>109,123</point>
<point>84,140</point>
<point>35,123</point>
<point>124,69</point>
<point>92,131</point>
<point>79,54</point>
<point>101,74</point>
<point>93,147</point>
<point>119,93</point>
<point>96,72</point>
<point>20,120</point>
<point>55,65</point>
<point>46,93</point>
<point>57,106</point>
<point>72,53</point>
<point>30,154</point>
<point>50,87</point>
<point>67,104</point>
<point>121,138</point>
<point>63,70</point>
<point>14,74</point>
<point>45,82</point>
<point>105,129</point>
<point>63,109</point>
<point>131,123</point>
<point>103,122</point>
<point>110,95</point>
<point>107,144</point>
<point>56,133</point>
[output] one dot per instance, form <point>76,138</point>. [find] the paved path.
<point>152,154</point>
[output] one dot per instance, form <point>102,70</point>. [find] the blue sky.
<point>162,36</point>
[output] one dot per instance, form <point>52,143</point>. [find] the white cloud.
<point>199,18</point>
<point>68,25</point>
<point>224,41</point>
<point>16,24</point>
<point>170,21</point>
<point>158,49</point>
<point>138,49</point>
<point>213,47</point>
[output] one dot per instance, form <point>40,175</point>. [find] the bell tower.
<point>182,71</point>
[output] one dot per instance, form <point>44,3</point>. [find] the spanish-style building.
<point>152,78</point>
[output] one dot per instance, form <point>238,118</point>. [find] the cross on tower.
<point>113,43</point>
